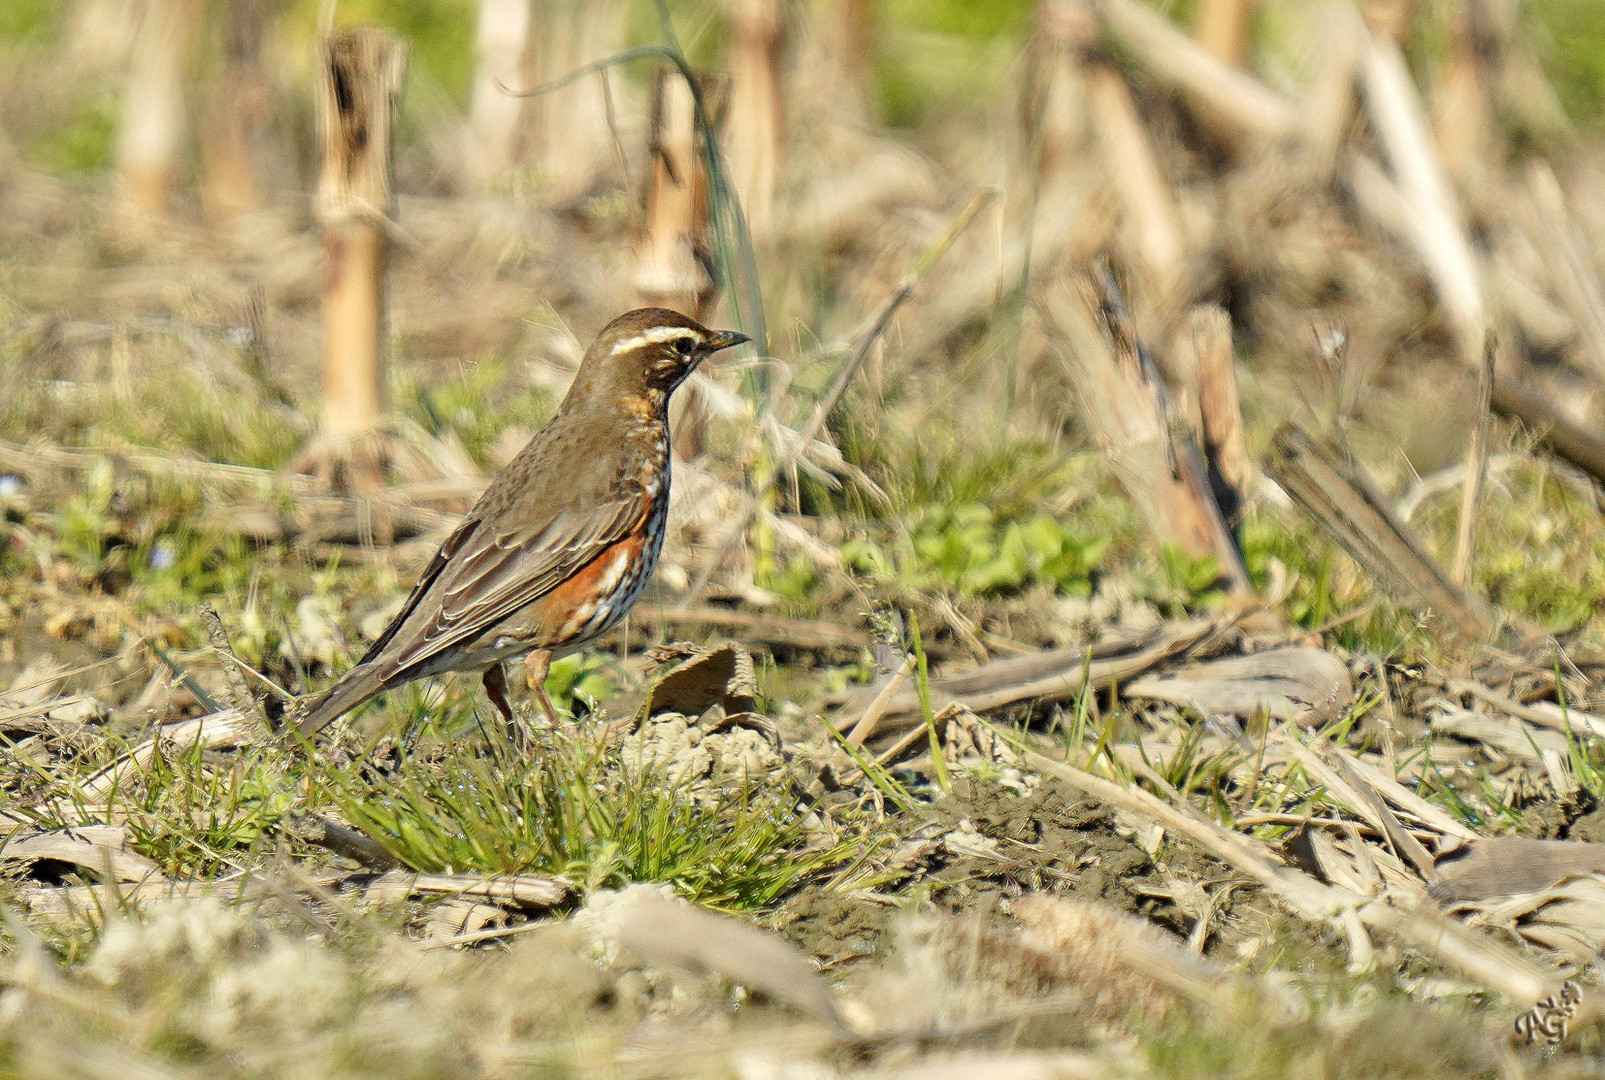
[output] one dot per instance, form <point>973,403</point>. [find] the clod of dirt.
<point>700,757</point>
<point>836,928</point>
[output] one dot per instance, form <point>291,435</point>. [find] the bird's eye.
<point>685,346</point>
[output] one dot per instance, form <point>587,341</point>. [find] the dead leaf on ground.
<point>93,847</point>
<point>1295,683</point>
<point>1498,866</point>
<point>693,679</point>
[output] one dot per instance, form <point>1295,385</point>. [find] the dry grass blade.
<point>1403,841</point>
<point>1339,497</point>
<point>1402,797</point>
<point>1476,469</point>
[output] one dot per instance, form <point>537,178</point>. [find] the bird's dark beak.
<point>724,339</point>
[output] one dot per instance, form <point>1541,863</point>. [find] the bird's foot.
<point>518,731</point>
<point>537,666</point>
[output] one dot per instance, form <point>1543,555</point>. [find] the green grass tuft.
<point>568,807</point>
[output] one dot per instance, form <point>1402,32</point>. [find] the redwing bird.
<point>564,538</point>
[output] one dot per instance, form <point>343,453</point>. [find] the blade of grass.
<point>938,762</point>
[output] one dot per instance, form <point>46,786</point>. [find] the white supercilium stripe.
<point>655,336</point>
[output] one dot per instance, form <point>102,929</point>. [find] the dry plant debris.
<point>1145,619</point>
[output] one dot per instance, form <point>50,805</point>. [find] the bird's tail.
<point>356,686</point>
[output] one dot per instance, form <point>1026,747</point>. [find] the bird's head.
<point>647,353</point>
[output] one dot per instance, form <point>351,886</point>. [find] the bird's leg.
<point>495,680</point>
<point>536,667</point>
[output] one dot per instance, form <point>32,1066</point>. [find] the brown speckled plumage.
<point>560,544</point>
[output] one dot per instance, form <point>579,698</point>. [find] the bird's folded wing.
<point>490,573</point>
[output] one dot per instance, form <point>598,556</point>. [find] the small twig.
<point>344,841</point>
<point>867,721</point>
<point>485,935</point>
<point>805,435</point>
<point>1476,467</point>
<point>240,695</point>
<point>279,693</point>
<point>870,718</point>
